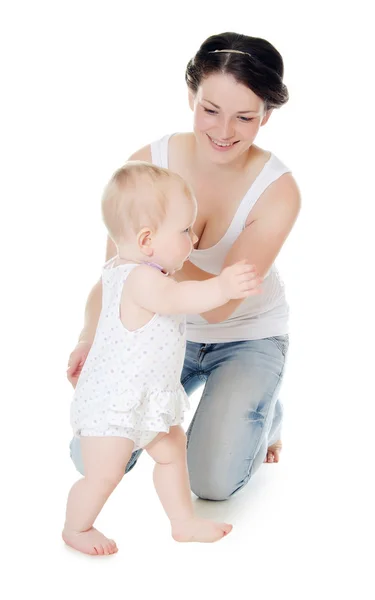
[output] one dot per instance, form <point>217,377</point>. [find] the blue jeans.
<point>238,417</point>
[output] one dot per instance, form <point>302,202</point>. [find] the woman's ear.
<point>266,117</point>
<point>191,98</point>
<point>144,240</point>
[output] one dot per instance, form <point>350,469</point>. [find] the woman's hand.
<point>76,361</point>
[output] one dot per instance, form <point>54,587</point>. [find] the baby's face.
<point>174,240</point>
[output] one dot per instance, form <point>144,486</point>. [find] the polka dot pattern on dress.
<point>130,383</point>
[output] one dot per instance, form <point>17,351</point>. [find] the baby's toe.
<point>111,547</point>
<point>226,528</point>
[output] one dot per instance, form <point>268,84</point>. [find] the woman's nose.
<point>226,129</point>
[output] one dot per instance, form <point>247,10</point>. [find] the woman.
<point>248,202</point>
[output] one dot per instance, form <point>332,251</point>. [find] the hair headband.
<point>230,52</point>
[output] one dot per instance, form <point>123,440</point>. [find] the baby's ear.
<point>144,240</point>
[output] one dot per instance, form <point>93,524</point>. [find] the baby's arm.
<point>151,290</point>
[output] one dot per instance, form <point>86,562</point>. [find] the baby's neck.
<point>125,258</point>
<point>126,254</point>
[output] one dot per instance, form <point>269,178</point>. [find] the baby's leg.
<point>172,485</point>
<point>104,459</point>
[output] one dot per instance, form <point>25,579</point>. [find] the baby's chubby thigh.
<point>168,447</point>
<point>164,447</point>
<point>77,456</point>
<point>83,450</point>
<point>104,458</point>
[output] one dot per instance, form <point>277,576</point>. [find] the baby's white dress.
<point>130,383</point>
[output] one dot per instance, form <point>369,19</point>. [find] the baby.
<point>129,394</point>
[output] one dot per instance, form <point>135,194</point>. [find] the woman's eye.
<point>214,112</point>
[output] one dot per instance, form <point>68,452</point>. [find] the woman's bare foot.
<point>199,530</point>
<point>89,542</point>
<point>273,453</point>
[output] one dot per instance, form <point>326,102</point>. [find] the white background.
<point>83,86</point>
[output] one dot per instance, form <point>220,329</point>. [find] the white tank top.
<point>257,317</point>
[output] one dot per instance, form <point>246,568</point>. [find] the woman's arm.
<point>190,272</point>
<point>171,297</point>
<point>261,240</point>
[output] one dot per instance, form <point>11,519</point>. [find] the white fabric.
<point>130,383</point>
<point>257,317</point>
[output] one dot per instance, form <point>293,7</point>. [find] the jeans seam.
<point>191,375</point>
<point>281,345</point>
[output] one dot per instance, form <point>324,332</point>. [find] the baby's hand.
<point>239,281</point>
<point>76,361</point>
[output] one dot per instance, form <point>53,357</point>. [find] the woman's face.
<point>227,117</point>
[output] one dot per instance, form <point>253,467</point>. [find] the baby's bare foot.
<point>199,530</point>
<point>89,542</point>
<point>273,453</point>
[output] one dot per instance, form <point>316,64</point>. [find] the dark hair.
<point>262,71</point>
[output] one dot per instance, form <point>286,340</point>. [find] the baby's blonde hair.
<point>135,197</point>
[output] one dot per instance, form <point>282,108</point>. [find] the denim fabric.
<point>238,417</point>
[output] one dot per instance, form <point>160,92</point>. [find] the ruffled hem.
<point>141,439</point>
<point>154,410</point>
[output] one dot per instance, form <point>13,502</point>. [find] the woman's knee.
<point>217,478</point>
<point>76,455</point>
<point>214,483</point>
<point>212,488</point>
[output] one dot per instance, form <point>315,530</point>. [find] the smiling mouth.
<point>220,144</point>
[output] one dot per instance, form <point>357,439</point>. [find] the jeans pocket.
<point>282,342</point>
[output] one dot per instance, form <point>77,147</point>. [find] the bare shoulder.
<point>181,151</point>
<point>145,277</point>
<point>140,274</point>
<point>142,154</point>
<point>181,140</point>
<point>133,315</point>
<point>286,188</point>
<point>282,197</point>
